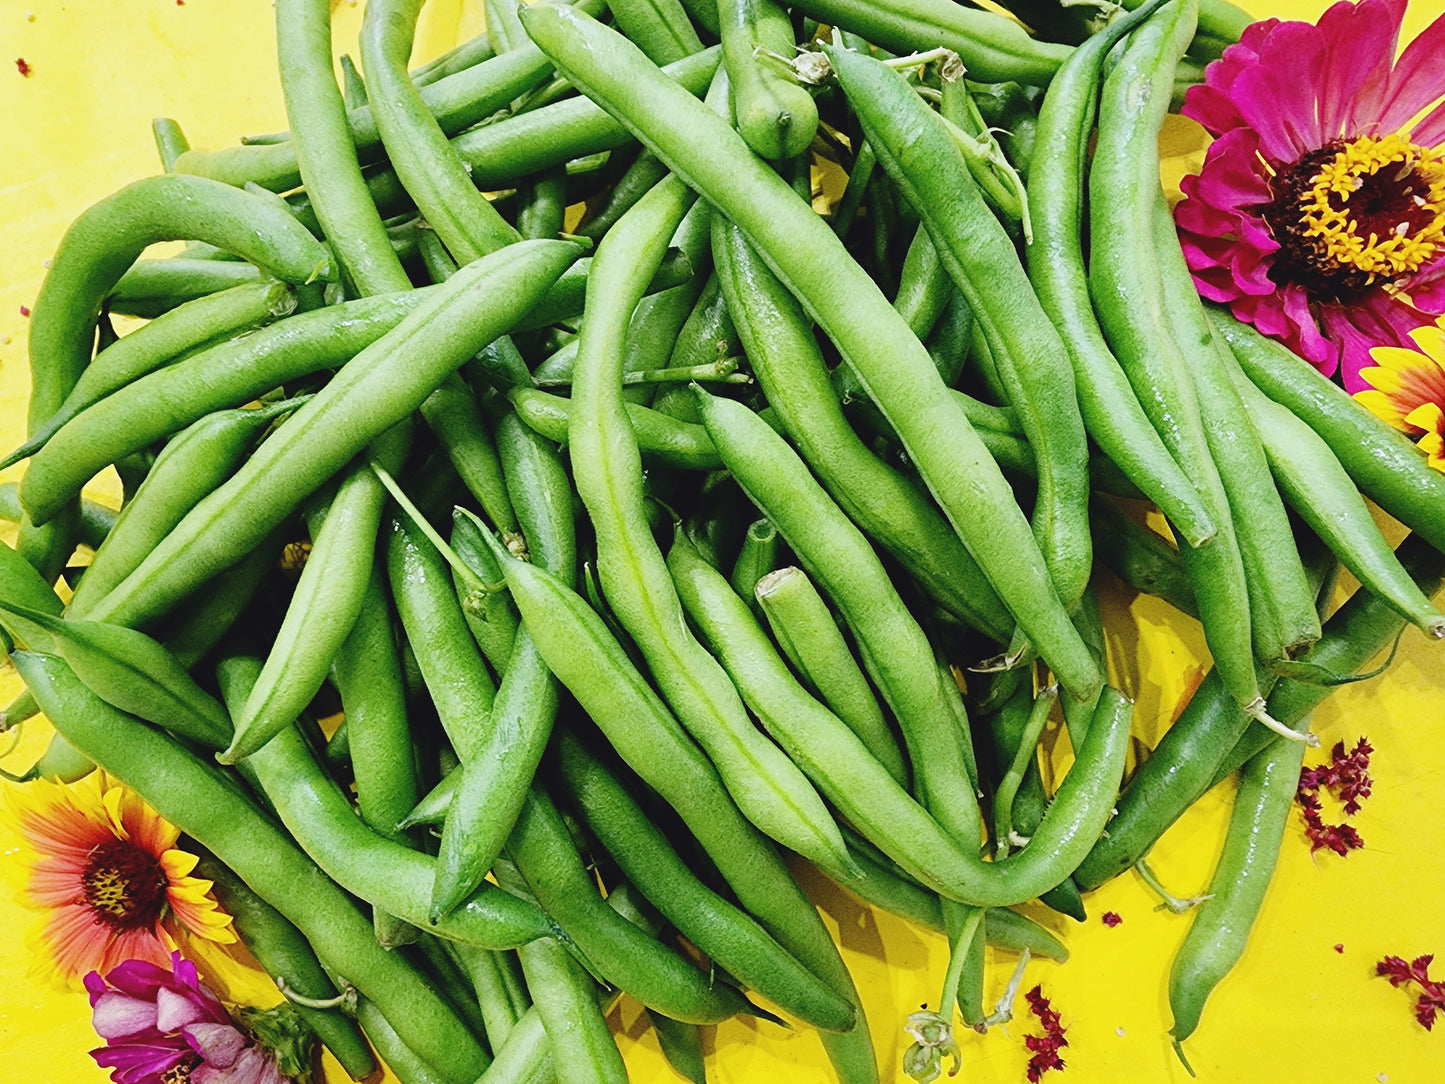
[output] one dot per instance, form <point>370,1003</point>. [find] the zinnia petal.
<point>117,1016</point>
<point>1360,42</point>
<point>1414,82</point>
<point>219,1044</point>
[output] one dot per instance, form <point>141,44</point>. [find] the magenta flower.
<point>165,1027</point>
<point>1319,215</point>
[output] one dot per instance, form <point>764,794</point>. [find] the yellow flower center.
<point>1357,215</point>
<point>125,886</point>
<point>1378,205</point>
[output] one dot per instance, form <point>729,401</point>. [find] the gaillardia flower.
<point>108,873</point>
<point>1319,214</point>
<point>1407,389</point>
<point>162,1025</point>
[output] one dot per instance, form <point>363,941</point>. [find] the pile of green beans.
<point>673,504</point>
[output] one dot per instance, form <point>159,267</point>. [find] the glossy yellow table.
<point>77,128</point>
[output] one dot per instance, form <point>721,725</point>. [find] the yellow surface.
<point>1294,1009</point>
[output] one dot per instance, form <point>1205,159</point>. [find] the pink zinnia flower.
<point>1319,215</point>
<point>166,1027</point>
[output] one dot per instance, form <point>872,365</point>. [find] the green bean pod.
<point>660,438</point>
<point>775,114</point>
<point>757,558</point>
<point>607,471</point>
<point>170,336</point>
<point>660,28</point>
<point>375,390</point>
<point>1222,922</point>
<point>659,978</point>
<point>1109,406</point>
<point>583,1049</point>
<point>514,147</point>
<point>728,936</point>
<point>324,605</point>
<point>106,239</point>
<point>794,377</point>
<point>124,668</point>
<point>417,147</point>
<point>454,416</point>
<point>1142,559</point>
<point>921,157</point>
<point>225,376</point>
<point>808,635</point>
<point>994,48</point>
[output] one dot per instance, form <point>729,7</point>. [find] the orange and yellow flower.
<point>107,875</point>
<point>1407,389</point>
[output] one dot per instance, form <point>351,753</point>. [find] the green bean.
<point>866,329</point>
<point>544,208</point>
<point>681,1046</point>
<point>992,47</point>
<point>1283,621</point>
<point>1125,283</point>
<point>324,605</point>
<point>206,805</point>
<point>757,558</point>
<point>61,762</point>
<point>398,1057</point>
<point>428,166</point>
<point>184,329</point>
<point>484,968</point>
<point>151,288</point>
<point>774,113</point>
<point>454,416</point>
<point>228,375</point>
<point>1111,410</point>
<point>832,755</point>
<point>106,239</point>
<point>489,613</point>
<point>1384,464</point>
<point>378,388</point>
<point>607,472</point>
<point>583,1049</point>
<point>280,948</point>
<point>644,172</point>
<point>808,635</point>
<point>728,936</point>
<point>788,364</point>
<point>503,26</point>
<point>325,155</point>
<point>1024,756</point>
<point>124,668</point>
<point>625,955</point>
<point>921,157</point>
<point>455,673</point>
<point>96,519</point>
<point>1222,922</point>
<point>192,464</point>
<point>660,438</point>
<point>1141,558</point>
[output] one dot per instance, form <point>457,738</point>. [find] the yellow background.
<point>1294,1009</point>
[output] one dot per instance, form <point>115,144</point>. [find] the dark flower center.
<point>1355,215</point>
<point>125,885</point>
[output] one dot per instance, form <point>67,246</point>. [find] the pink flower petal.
<point>253,1067</point>
<point>118,1015</point>
<point>1278,100</point>
<point>174,1010</point>
<point>219,1044</point>
<point>1360,46</point>
<point>1415,82</point>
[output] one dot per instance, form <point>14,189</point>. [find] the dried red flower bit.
<point>1044,1048</point>
<point>1340,948</point>
<point>1111,918</point>
<point>23,66</point>
<point>1431,999</point>
<point>24,310</point>
<point>1346,776</point>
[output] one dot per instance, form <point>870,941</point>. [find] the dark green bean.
<point>1222,921</point>
<point>583,1049</point>
<point>660,438</point>
<point>775,114</point>
<point>281,949</point>
<point>1142,559</point>
<point>152,288</point>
